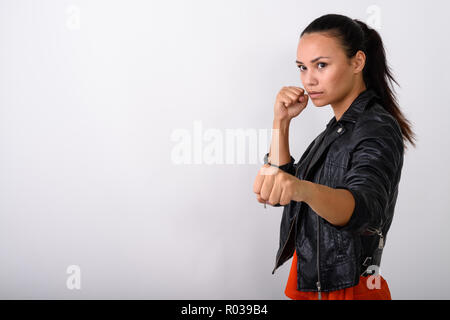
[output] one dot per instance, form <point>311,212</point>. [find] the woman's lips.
<point>315,95</point>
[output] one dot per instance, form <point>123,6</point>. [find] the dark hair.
<point>355,35</point>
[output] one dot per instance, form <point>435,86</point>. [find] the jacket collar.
<point>357,107</point>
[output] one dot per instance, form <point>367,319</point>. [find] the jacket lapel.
<point>321,151</point>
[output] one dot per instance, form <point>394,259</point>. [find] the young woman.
<point>339,198</point>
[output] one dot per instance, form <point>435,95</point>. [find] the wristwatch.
<point>284,167</point>
<point>266,158</point>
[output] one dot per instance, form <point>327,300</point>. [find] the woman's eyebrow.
<point>313,60</point>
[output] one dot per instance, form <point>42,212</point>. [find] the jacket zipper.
<point>378,231</point>
<point>318,260</point>
<point>289,234</point>
<point>380,242</point>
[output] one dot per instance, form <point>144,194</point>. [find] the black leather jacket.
<point>363,154</point>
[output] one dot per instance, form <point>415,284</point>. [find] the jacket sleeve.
<point>374,172</point>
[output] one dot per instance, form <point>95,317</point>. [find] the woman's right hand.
<point>289,103</point>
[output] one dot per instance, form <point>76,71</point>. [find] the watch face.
<point>266,159</point>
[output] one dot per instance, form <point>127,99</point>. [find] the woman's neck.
<point>340,107</point>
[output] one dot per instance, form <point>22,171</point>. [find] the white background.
<point>90,95</point>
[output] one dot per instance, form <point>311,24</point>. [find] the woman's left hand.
<point>272,185</point>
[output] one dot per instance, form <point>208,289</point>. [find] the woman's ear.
<point>359,61</point>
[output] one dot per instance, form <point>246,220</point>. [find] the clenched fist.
<point>290,102</point>
<point>274,186</point>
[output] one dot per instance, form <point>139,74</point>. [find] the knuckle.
<point>263,195</point>
<point>287,183</point>
<point>282,176</point>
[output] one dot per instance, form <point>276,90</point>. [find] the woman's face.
<point>325,68</point>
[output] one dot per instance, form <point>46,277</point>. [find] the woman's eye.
<point>320,63</point>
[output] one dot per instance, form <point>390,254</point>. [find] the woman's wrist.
<point>281,123</point>
<point>305,190</point>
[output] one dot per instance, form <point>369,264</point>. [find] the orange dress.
<point>358,292</point>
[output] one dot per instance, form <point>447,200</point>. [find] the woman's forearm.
<point>334,205</point>
<point>279,153</point>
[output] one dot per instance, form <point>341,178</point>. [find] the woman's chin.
<point>319,103</point>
